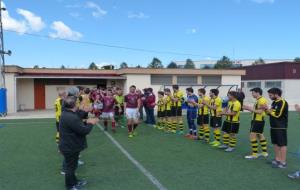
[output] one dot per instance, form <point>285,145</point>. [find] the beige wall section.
<point>25,94</point>
<point>10,82</point>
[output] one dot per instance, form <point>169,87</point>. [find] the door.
<point>39,95</point>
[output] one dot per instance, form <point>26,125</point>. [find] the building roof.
<point>279,70</point>
<point>114,73</point>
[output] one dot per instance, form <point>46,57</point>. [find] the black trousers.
<point>71,163</point>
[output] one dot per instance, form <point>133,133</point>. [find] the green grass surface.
<point>30,161</point>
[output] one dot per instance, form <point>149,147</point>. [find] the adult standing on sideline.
<point>73,140</point>
<point>279,123</point>
<point>150,102</point>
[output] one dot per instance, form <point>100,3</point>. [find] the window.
<point>184,80</point>
<point>161,79</point>
<point>243,85</point>
<point>253,84</point>
<point>273,84</point>
<point>211,80</point>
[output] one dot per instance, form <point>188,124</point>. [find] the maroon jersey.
<point>132,100</point>
<point>108,104</point>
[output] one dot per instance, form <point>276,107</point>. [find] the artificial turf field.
<point>30,161</point>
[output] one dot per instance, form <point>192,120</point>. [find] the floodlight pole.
<point>2,52</point>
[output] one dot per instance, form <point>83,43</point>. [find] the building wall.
<point>11,92</point>
<point>25,94</point>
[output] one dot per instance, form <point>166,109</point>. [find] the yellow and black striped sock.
<point>180,125</point>
<point>226,139</point>
<point>263,144</point>
<point>169,125</point>
<point>174,126</point>
<point>217,133</point>
<point>232,142</point>
<point>207,134</point>
<point>57,137</point>
<point>254,145</point>
<point>200,132</point>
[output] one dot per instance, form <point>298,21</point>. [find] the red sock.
<point>129,128</point>
<point>113,125</point>
<point>135,126</point>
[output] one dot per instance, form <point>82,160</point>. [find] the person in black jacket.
<point>73,140</point>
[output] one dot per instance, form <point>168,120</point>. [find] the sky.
<point>51,33</point>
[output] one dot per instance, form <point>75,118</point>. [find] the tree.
<point>259,61</point>
<point>62,67</point>
<point>36,67</point>
<point>224,63</point>
<point>206,67</point>
<point>138,66</point>
<point>297,60</point>
<point>155,64</point>
<point>189,64</point>
<point>93,66</point>
<point>172,65</point>
<point>123,65</point>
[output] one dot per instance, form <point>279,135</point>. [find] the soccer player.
<point>97,105</point>
<point>191,116</point>
<point>58,109</point>
<point>119,109</point>
<point>215,106</point>
<point>168,111</point>
<point>279,122</point>
<point>203,117</point>
<point>232,123</point>
<point>108,110</point>
<point>160,110</point>
<point>257,124</point>
<point>176,109</point>
<point>132,104</point>
<point>295,175</point>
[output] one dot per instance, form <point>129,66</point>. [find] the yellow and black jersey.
<point>261,102</point>
<point>179,95</point>
<point>58,108</point>
<point>216,102</point>
<point>234,106</point>
<point>160,105</point>
<point>279,114</point>
<point>168,103</point>
<point>204,110</point>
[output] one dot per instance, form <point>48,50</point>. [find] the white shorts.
<point>132,113</point>
<point>108,115</point>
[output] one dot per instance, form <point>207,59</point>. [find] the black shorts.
<point>167,113</point>
<point>202,120</point>
<point>160,114</point>
<point>279,137</point>
<point>176,111</point>
<point>57,126</point>
<point>215,122</point>
<point>257,127</point>
<point>230,127</point>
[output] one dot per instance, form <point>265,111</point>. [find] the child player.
<point>168,112</point>
<point>108,110</point>
<point>160,110</point>
<point>191,116</point>
<point>232,123</point>
<point>132,104</point>
<point>203,117</point>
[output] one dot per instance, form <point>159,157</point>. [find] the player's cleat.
<point>251,157</point>
<point>63,173</point>
<point>263,154</point>
<point>213,142</point>
<point>81,183</point>
<point>181,133</point>
<point>80,163</point>
<point>223,146</point>
<point>173,131</point>
<point>75,188</point>
<point>135,133</point>
<point>216,144</point>
<point>122,127</point>
<point>187,136</point>
<point>229,149</point>
<point>295,175</point>
<point>274,161</point>
<point>130,135</point>
<point>160,128</point>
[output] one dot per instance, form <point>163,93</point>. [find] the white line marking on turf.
<point>134,161</point>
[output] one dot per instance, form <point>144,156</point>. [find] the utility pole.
<point>2,51</point>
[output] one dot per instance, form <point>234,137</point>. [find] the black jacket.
<point>72,132</point>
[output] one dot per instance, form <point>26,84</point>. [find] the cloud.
<point>191,31</point>
<point>62,31</point>
<point>97,12</point>
<point>34,22</point>
<point>139,15</point>
<point>30,21</point>
<point>263,1</point>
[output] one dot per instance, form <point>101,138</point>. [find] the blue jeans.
<point>191,117</point>
<point>150,116</point>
